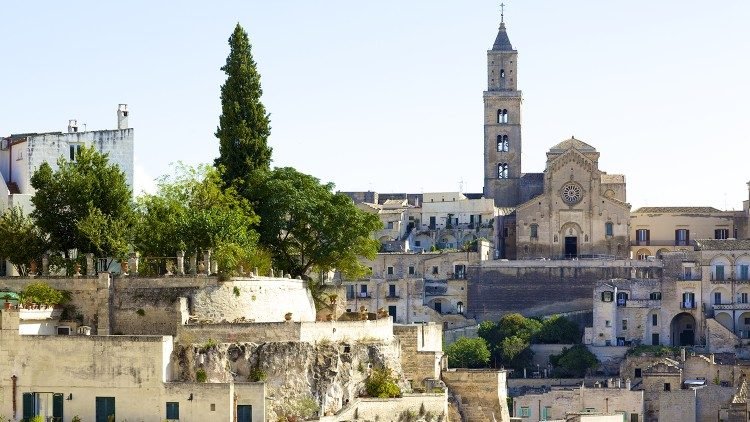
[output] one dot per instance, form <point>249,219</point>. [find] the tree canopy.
<point>468,353</point>
<point>574,362</point>
<point>85,205</point>
<point>244,124</point>
<point>306,226</point>
<point>21,241</point>
<point>192,213</point>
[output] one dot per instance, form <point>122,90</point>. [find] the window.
<point>721,234</point>
<point>459,271</point>
<point>643,236</point>
<point>546,413</point>
<point>502,73</point>
<point>460,307</point>
<point>607,296</point>
<point>363,290</point>
<point>688,300</point>
<point>390,224</point>
<point>502,116</point>
<point>432,222</point>
<point>622,299</point>
<point>411,270</point>
<point>681,237</point>
<point>654,320</point>
<point>392,290</point>
<point>688,273</point>
<point>63,331</point>
<point>418,243</point>
<point>534,231</point>
<point>609,229</point>
<point>624,324</point>
<point>502,143</point>
<point>502,171</point>
<point>607,323</point>
<point>213,407</point>
<point>744,271</point>
<point>717,298</point>
<point>434,270</point>
<point>75,149</point>
<point>719,272</point>
<point>390,270</point>
<point>743,298</point>
<point>524,412</point>
<point>173,410</point>
<point>654,296</point>
<point>667,387</point>
<point>637,372</point>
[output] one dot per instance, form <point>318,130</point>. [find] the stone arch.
<point>683,329</point>
<point>425,241</point>
<point>724,319</point>
<point>572,239</point>
<point>726,295</point>
<point>448,241</point>
<point>468,238</point>
<point>384,239</point>
<point>720,267</point>
<point>661,252</point>
<point>740,272</point>
<point>743,325</point>
<point>642,254</point>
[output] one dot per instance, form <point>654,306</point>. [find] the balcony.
<point>687,305</point>
<point>364,295</point>
<point>392,297</point>
<point>731,306</point>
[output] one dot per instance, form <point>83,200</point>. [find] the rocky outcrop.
<point>330,373</point>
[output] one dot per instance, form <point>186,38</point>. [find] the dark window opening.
<point>502,171</point>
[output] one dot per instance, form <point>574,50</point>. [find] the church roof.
<point>502,42</point>
<point>572,143</point>
<point>613,178</point>
<point>681,210</point>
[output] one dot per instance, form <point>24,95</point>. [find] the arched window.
<point>505,116</point>
<point>609,229</point>
<point>534,231</point>
<point>499,116</point>
<point>502,171</point>
<point>502,143</point>
<point>502,73</point>
<point>460,307</point>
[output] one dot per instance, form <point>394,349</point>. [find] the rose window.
<point>571,193</point>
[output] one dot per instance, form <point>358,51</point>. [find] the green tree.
<point>191,212</point>
<point>558,330</point>
<point>244,124</point>
<point>574,362</point>
<point>509,339</point>
<point>382,384</point>
<point>468,353</point>
<point>80,194</point>
<point>307,227</point>
<point>20,240</point>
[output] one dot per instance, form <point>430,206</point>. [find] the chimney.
<point>122,116</point>
<point>72,126</point>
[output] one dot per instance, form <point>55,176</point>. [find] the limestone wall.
<point>392,409</point>
<point>482,392</point>
<point>678,405</point>
<point>560,402</point>
<point>421,351</point>
<point>377,330</point>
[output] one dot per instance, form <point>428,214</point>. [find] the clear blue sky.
<point>387,95</point>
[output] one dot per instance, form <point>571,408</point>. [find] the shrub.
<point>382,384</point>
<point>200,375</point>
<point>42,293</point>
<point>140,312</point>
<point>468,353</point>
<point>236,291</point>
<point>210,344</point>
<point>257,375</point>
<point>575,361</point>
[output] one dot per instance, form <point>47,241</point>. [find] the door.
<point>687,338</point>
<point>571,246</point>
<point>439,307</point>
<point>392,312</point>
<point>655,339</point>
<point>105,409</point>
<point>244,413</point>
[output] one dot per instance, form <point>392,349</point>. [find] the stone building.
<point>22,154</point>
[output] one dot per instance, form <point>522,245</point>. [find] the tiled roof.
<point>691,210</point>
<point>722,244</point>
<point>572,143</point>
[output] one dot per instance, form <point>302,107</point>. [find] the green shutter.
<point>29,405</point>
<point>57,407</point>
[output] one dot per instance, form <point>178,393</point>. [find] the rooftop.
<point>572,143</point>
<point>722,244</point>
<point>681,210</point>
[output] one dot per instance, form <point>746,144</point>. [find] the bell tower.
<point>502,123</point>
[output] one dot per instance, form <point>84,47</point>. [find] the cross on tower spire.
<point>502,12</point>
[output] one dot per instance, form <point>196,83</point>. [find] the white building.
<point>22,154</point>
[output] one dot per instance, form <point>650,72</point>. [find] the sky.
<point>387,95</point>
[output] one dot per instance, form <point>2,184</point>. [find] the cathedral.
<point>572,209</point>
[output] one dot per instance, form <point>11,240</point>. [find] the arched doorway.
<point>683,330</point>
<point>571,233</point>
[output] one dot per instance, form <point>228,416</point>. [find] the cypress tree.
<point>244,124</point>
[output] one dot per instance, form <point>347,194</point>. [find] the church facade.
<point>573,209</point>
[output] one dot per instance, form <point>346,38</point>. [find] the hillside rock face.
<point>331,374</point>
